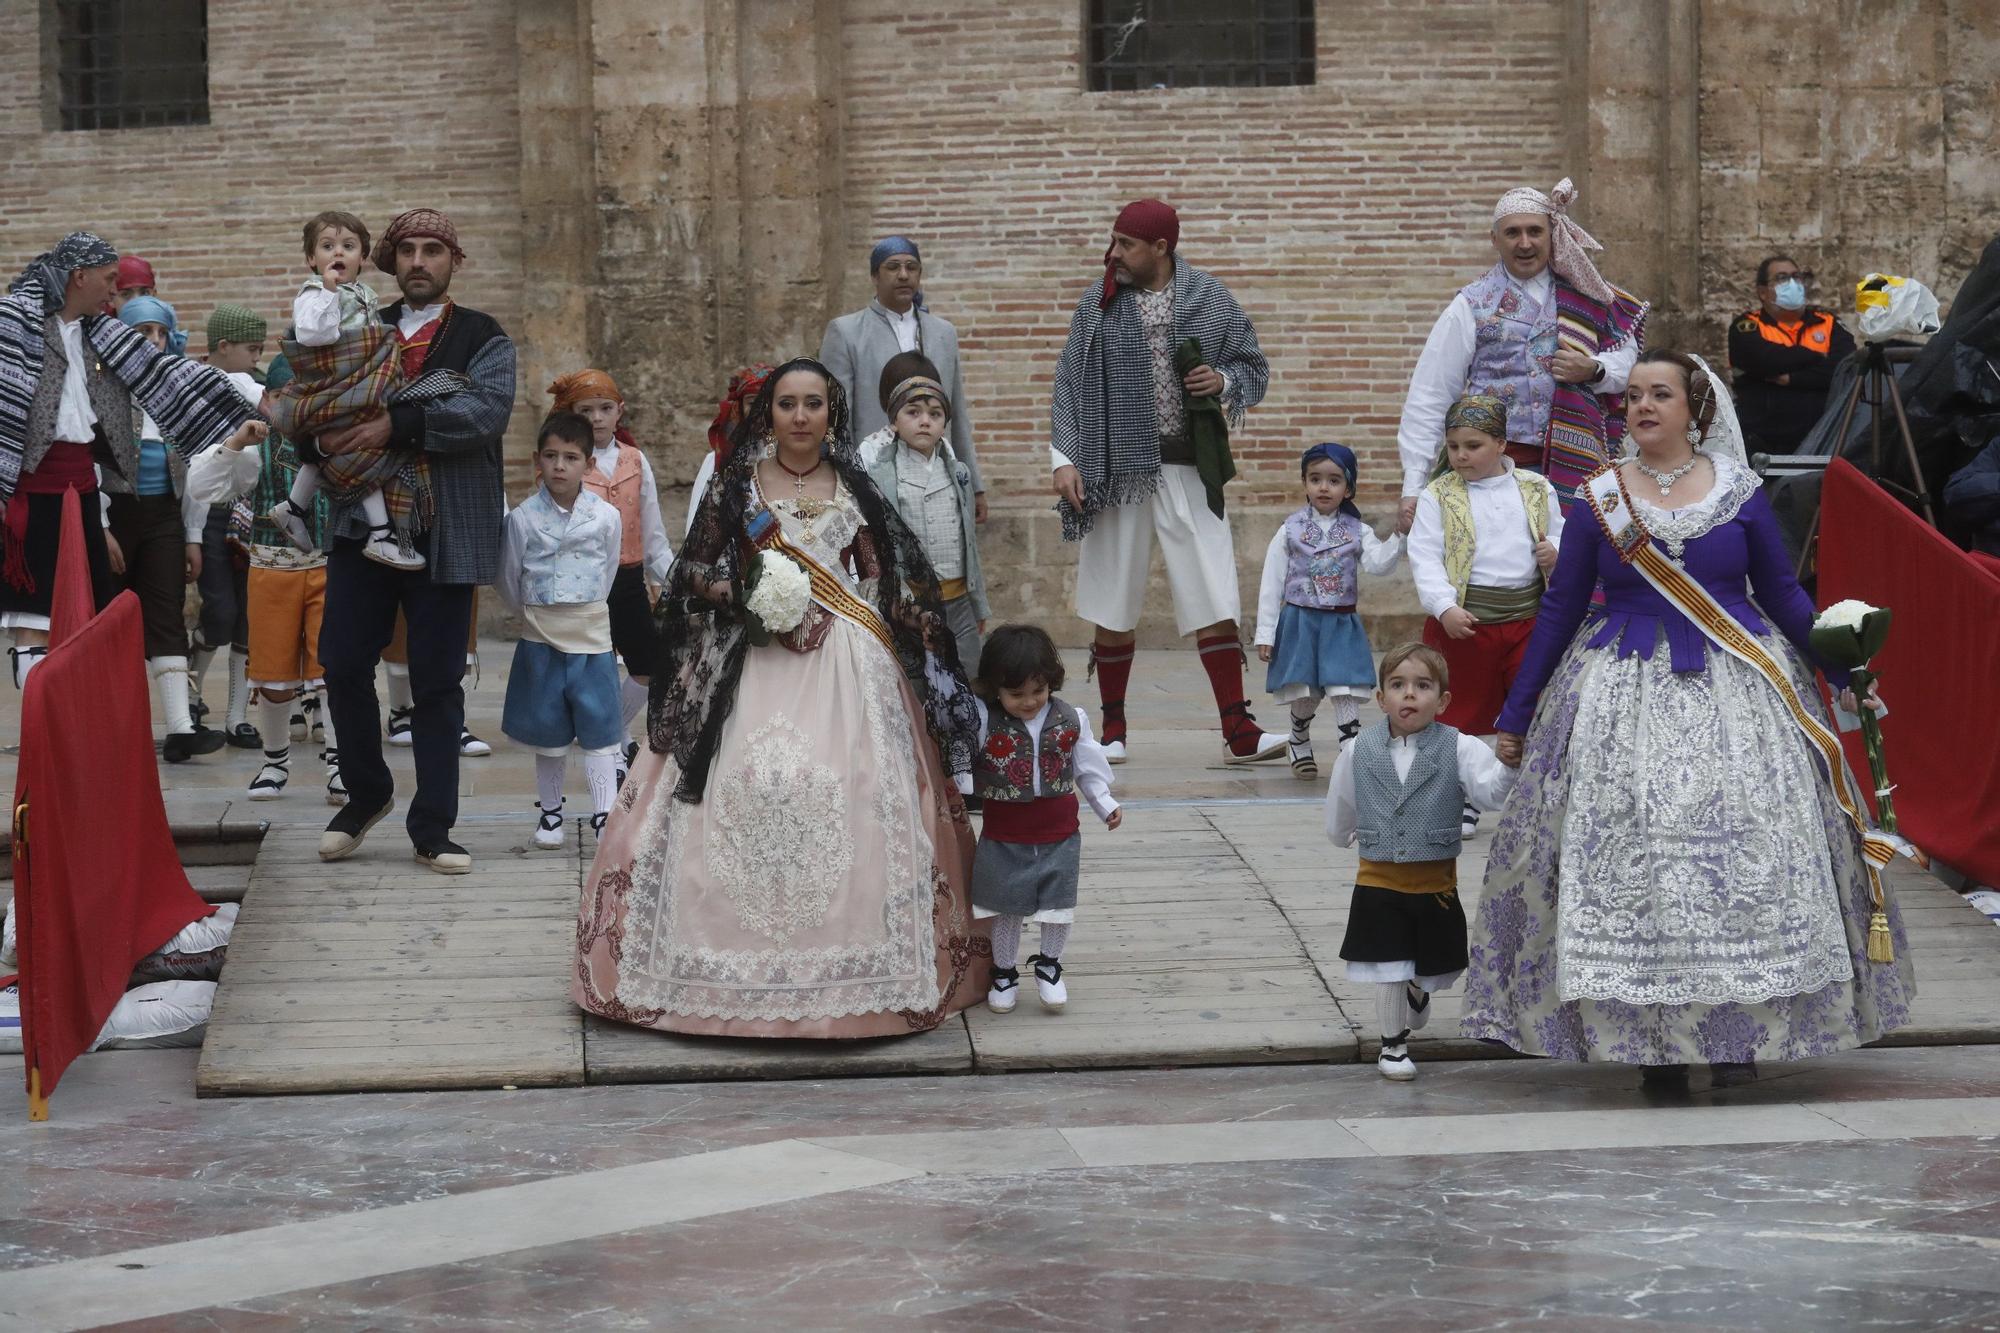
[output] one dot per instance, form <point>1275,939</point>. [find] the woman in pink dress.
<point>789,857</point>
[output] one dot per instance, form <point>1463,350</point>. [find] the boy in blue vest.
<point>1398,791</point>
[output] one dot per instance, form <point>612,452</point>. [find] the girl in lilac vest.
<point>1035,755</point>
<point>1307,628</point>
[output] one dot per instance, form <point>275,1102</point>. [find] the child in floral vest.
<point>1036,753</point>
<point>1307,629</point>
<point>1484,536</point>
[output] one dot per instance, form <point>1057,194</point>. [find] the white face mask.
<point>1789,294</point>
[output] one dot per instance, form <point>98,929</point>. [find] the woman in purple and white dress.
<point>1674,879</point>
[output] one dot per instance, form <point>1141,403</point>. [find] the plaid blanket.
<point>343,384</point>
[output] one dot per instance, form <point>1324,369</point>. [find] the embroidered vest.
<point>1007,764</point>
<point>1413,819</point>
<point>1460,541</point>
<point>622,489</point>
<point>563,556</point>
<point>1320,569</point>
<point>1513,352</point>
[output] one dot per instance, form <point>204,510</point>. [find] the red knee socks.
<point>1113,665</point>
<point>1222,659</point>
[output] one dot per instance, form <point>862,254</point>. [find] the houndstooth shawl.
<point>1102,418</point>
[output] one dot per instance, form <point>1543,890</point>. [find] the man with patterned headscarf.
<point>858,345</point>
<point>72,382</point>
<point>458,432</point>
<point>1159,356</point>
<point>1543,332</point>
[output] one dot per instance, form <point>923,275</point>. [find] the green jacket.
<point>1208,430</point>
<point>879,453</point>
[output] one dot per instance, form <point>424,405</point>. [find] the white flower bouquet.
<point>776,595</point>
<point>1849,634</point>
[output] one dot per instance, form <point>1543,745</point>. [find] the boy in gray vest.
<point>1398,791</point>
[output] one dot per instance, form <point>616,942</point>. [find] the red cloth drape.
<point>1939,670</point>
<point>98,884</point>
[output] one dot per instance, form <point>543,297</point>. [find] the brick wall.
<point>422,110</point>
<point>1342,215</point>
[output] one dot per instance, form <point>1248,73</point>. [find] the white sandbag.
<point>10,952</point>
<point>164,1014</point>
<point>196,953</point>
<point>10,1020</point>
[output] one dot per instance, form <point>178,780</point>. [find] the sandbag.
<point>196,953</point>
<point>10,951</point>
<point>10,1018</point>
<point>156,1017</point>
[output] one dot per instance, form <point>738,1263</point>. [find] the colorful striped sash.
<point>831,591</point>
<point>1611,504</point>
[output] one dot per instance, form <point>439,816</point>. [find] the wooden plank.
<point>621,1053</point>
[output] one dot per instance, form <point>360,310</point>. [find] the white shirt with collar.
<point>1485,779</point>
<point>1503,548</point>
<point>76,420</point>
<point>414,319</point>
<point>905,326</point>
<point>1442,367</point>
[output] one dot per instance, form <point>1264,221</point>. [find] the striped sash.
<point>1611,504</point>
<point>831,591</point>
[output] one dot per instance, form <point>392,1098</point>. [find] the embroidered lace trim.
<point>1734,484</point>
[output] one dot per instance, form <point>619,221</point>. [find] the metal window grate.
<point>130,64</point>
<point>1135,44</point>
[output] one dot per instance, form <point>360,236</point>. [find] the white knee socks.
<point>550,766</point>
<point>1392,1009</point>
<point>198,662</point>
<point>274,723</point>
<point>376,510</point>
<point>1006,941</point>
<point>239,688</point>
<point>631,698</point>
<point>306,485</point>
<point>1347,715</point>
<point>1302,718</point>
<point>600,769</point>
<point>1055,934</point>
<point>170,678</point>
<point>399,685</point>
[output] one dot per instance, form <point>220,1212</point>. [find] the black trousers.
<point>224,585</point>
<point>149,534</point>
<point>362,598</point>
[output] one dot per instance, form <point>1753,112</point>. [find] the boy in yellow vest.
<point>1483,539</point>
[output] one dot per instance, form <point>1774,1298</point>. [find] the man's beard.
<point>436,284</point>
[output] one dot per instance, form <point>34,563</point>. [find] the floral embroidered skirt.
<point>1672,880</point>
<point>820,889</point>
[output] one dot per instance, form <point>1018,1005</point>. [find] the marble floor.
<point>1857,1191</point>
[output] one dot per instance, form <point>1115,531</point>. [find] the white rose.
<point>1845,615</point>
<point>782,593</point>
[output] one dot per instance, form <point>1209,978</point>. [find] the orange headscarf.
<point>568,390</point>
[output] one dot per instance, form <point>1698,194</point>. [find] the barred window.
<point>129,64</point>
<point>1135,44</point>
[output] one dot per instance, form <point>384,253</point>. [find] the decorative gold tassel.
<point>1881,948</point>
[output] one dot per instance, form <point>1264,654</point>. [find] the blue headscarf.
<point>887,248</point>
<point>152,310</point>
<point>1342,455</point>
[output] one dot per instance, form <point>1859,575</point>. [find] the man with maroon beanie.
<point>1124,459</point>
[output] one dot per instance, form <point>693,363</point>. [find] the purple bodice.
<point>1739,558</point>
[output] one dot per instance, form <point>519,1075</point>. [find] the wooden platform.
<point>1211,935</point>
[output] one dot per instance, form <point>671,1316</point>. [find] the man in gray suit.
<point>857,346</point>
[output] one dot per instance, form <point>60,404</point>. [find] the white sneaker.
<point>1049,983</point>
<point>1006,991</point>
<point>385,550</point>
<point>1420,1004</point>
<point>469,744</point>
<point>549,830</point>
<point>399,727</point>
<point>1114,752</point>
<point>269,784</point>
<point>289,519</point>
<point>300,729</point>
<point>1394,1063</point>
<point>1303,764</point>
<point>1468,822</point>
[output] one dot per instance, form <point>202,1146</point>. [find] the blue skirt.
<point>1320,649</point>
<point>554,698</point>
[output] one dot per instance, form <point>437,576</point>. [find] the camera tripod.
<point>1874,385</point>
